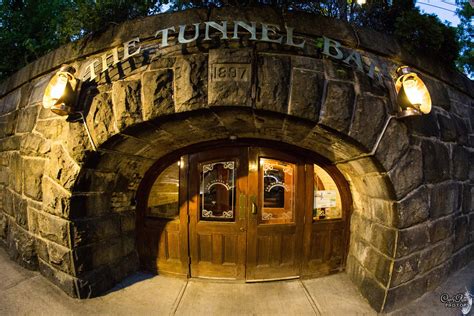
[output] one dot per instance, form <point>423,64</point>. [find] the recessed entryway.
<point>244,213</point>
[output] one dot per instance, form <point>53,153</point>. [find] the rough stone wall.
<point>70,211</point>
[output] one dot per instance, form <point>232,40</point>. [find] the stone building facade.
<point>69,210</point>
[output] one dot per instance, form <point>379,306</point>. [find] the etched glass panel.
<point>163,200</point>
<point>217,192</point>
<point>278,190</point>
<point>327,200</point>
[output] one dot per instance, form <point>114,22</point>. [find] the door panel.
<point>325,240</point>
<point>163,232</point>
<point>276,188</point>
<point>218,182</point>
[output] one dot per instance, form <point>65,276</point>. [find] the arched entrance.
<point>243,210</point>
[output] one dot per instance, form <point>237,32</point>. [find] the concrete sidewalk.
<point>24,292</point>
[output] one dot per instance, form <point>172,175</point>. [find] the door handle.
<point>254,208</point>
<point>242,229</point>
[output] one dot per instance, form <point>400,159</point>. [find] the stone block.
<point>20,211</point>
<point>92,204</point>
<point>60,257</point>
<point>444,199</point>
<point>54,229</point>
<point>100,118</point>
<point>27,119</point>
<point>407,175</point>
<point>10,143</point>
<point>10,102</point>
<point>273,81</point>
<point>432,257</point>
<point>461,163</point>
<point>62,280</point>
<point>461,232</point>
<point>34,145</point>
<point>126,99</point>
<point>405,293</point>
<point>462,130</point>
<point>38,89</point>
<point>372,260</point>
<point>32,214</point>
<point>127,222</point>
<point>3,225</point>
<point>61,168</point>
<point>190,82</point>
<point>4,175</point>
<point>369,120</point>
<point>412,239</point>
<point>423,125</point>
<point>338,106</point>
<point>89,231</point>
<point>437,276</point>
<point>447,128</point>
<point>413,209</point>
<point>94,283</point>
<point>236,122</point>
<point>41,248</point>
<point>55,199</point>
<point>158,94</point>
<point>21,246</point>
<point>8,124</point>
<point>436,161</point>
<point>383,238</point>
<point>338,71</point>
<point>438,93</point>
<point>367,285</point>
<point>33,170</point>
<point>230,77</point>
<point>95,181</point>
<point>404,270</point>
<point>307,88</point>
<point>441,229</point>
<point>52,128</point>
<point>468,197</point>
<point>76,141</point>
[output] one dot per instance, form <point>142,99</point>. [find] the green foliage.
<point>465,32</point>
<point>426,35</point>
<point>31,28</point>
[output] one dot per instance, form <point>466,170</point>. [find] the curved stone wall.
<point>69,210</point>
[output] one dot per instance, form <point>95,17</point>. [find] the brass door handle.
<point>254,208</point>
<point>242,229</point>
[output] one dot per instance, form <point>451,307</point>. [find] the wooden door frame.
<point>308,156</point>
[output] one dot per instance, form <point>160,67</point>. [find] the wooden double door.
<point>242,214</point>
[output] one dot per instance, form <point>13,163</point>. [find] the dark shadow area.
<point>137,277</point>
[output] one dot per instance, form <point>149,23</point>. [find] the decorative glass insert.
<point>163,200</point>
<point>327,200</point>
<point>278,191</point>
<point>217,192</point>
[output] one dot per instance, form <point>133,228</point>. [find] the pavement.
<point>24,292</point>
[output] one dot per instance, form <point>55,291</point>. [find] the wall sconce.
<point>413,97</point>
<point>61,96</point>
<point>61,92</point>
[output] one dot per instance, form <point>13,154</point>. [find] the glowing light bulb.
<point>361,2</point>
<point>58,87</point>
<point>414,95</point>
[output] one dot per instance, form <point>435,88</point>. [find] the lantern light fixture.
<point>413,97</point>
<point>61,92</point>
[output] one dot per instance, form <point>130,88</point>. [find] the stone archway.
<point>125,158</point>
